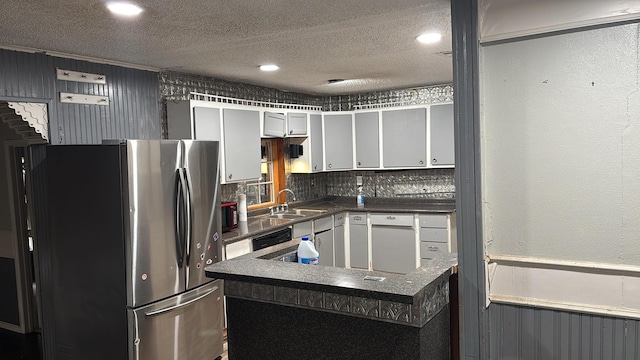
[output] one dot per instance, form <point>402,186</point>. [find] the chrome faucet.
<point>284,206</point>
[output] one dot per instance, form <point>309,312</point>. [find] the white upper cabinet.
<point>338,141</point>
<point>316,139</point>
<point>241,131</point>
<point>206,123</point>
<point>296,124</point>
<point>367,133</point>
<point>238,132</point>
<point>404,138</point>
<point>441,136</point>
<point>273,124</point>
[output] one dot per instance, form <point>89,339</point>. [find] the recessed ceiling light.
<point>125,9</point>
<point>269,67</point>
<point>429,38</point>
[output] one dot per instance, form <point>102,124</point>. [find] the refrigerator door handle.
<point>189,216</point>
<point>173,307</point>
<point>179,213</point>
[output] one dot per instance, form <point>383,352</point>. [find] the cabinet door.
<point>315,135</point>
<point>441,135</point>
<point>241,130</point>
<point>404,135</point>
<point>338,141</point>
<point>393,249</point>
<point>367,140</point>
<point>338,244</point>
<point>273,124</point>
<point>296,124</point>
<point>206,123</point>
<point>359,247</point>
<point>324,245</point>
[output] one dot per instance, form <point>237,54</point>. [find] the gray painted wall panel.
<point>134,96</point>
<point>531,333</point>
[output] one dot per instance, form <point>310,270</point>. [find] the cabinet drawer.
<point>323,224</point>
<point>237,249</point>
<point>392,219</point>
<point>338,219</point>
<point>429,249</point>
<point>433,221</point>
<point>360,218</point>
<point>301,229</point>
<point>435,235</point>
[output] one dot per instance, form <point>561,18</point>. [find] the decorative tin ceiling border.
<point>425,306</point>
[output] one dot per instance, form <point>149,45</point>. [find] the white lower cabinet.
<point>338,240</point>
<point>324,246</point>
<point>393,243</point>
<point>434,235</point>
<point>338,244</point>
<point>358,241</point>
<point>323,239</point>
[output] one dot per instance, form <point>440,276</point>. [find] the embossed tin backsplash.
<point>425,183</point>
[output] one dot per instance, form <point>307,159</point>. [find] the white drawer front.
<point>323,224</point>
<point>301,229</point>
<point>429,249</point>
<point>437,235</point>
<point>433,221</point>
<point>392,219</point>
<point>238,248</point>
<point>358,218</point>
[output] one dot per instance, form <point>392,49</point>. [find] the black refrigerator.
<point>132,226</point>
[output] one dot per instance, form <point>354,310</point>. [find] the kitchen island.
<point>282,310</point>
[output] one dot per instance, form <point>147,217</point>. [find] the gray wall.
<point>6,133</point>
<point>133,111</point>
<point>561,131</point>
<point>527,333</point>
<point>560,117</point>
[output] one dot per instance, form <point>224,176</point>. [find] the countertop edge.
<point>333,207</point>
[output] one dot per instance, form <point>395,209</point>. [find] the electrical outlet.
<point>359,180</point>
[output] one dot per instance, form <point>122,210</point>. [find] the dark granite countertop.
<point>259,267</point>
<point>258,224</point>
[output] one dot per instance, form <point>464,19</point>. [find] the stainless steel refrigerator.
<point>132,226</point>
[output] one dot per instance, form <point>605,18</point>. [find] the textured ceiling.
<point>371,43</point>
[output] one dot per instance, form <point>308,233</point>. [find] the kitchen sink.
<point>293,214</point>
<point>286,216</point>
<point>289,257</point>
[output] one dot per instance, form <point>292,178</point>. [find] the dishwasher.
<point>271,239</point>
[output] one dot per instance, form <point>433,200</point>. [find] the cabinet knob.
<point>421,162</point>
<point>434,160</point>
<point>359,163</point>
<point>329,166</point>
<point>230,176</point>
<point>290,132</point>
<point>315,167</point>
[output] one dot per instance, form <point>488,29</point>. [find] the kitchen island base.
<point>259,330</point>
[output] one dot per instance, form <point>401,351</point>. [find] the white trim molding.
<point>35,114</point>
<point>605,289</point>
